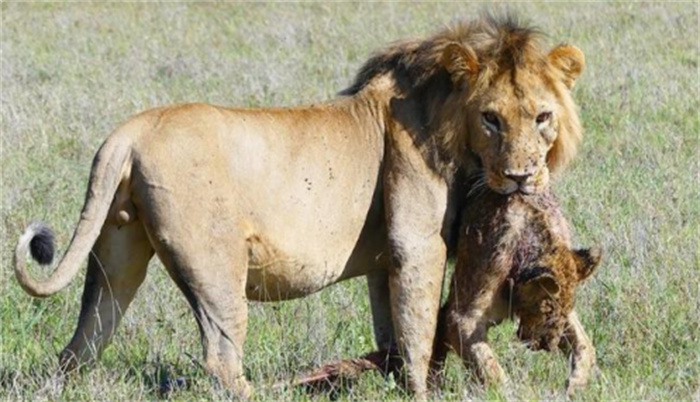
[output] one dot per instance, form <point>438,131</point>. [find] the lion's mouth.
<point>501,185</point>
<point>507,187</point>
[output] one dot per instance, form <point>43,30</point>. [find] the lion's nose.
<point>518,176</point>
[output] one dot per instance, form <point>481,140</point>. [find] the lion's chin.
<point>528,189</point>
<point>506,188</point>
<point>533,188</point>
<point>503,187</point>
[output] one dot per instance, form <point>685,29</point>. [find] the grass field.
<point>71,73</point>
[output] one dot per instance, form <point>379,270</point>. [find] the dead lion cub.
<point>515,258</point>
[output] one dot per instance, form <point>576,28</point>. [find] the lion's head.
<point>487,88</point>
<point>518,115</point>
<point>543,293</point>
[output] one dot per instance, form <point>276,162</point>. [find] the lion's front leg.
<point>583,356</point>
<point>415,299</point>
<point>416,202</point>
<point>440,351</point>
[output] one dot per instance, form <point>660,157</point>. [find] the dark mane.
<point>500,42</point>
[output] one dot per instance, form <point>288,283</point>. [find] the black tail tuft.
<point>42,244</point>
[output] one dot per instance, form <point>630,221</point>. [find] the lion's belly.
<point>297,250</point>
<point>274,276</point>
<point>316,257</point>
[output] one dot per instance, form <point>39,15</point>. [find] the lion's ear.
<point>569,60</point>
<point>536,284</point>
<point>587,261</point>
<point>460,61</point>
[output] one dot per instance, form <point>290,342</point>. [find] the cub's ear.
<point>535,284</point>
<point>569,60</point>
<point>460,61</point>
<point>587,261</point>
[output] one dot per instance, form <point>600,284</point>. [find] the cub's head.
<point>514,99</point>
<point>543,294</point>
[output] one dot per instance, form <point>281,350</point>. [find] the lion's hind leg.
<point>116,268</point>
<point>210,268</point>
<point>221,311</point>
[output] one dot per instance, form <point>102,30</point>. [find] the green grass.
<point>71,73</point>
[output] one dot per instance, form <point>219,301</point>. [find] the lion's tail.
<point>107,171</point>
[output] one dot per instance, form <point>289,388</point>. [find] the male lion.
<point>272,204</point>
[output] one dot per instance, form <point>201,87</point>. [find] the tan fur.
<point>272,204</point>
<point>515,259</point>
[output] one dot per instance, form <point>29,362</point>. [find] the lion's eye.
<point>491,120</point>
<point>543,117</point>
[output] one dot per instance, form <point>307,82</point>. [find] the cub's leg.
<point>207,261</point>
<point>378,284</point>
<point>583,357</point>
<point>466,335</point>
<point>473,307</point>
<point>116,268</point>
